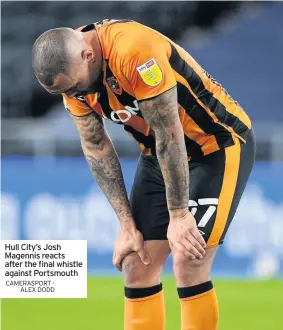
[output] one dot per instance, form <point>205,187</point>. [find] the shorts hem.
<point>166,239</point>
<point>156,239</point>
<point>215,244</point>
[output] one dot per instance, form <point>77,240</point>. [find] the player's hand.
<point>129,240</point>
<point>183,235</point>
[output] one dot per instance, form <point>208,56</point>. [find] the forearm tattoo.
<point>104,163</point>
<point>161,113</point>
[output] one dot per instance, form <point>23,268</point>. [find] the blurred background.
<point>47,188</point>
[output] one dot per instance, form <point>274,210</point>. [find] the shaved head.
<point>52,53</point>
<point>68,61</point>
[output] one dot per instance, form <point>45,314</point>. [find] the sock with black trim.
<point>144,308</point>
<point>199,307</point>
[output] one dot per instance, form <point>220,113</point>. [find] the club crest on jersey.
<point>114,85</point>
<point>150,73</point>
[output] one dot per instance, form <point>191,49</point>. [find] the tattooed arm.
<point>161,113</point>
<point>104,163</point>
<point>105,166</point>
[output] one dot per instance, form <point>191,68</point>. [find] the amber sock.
<point>199,307</point>
<point>144,308</point>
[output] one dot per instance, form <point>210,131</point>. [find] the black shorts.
<point>217,182</point>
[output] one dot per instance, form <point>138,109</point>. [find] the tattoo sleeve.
<point>104,163</point>
<point>161,113</point>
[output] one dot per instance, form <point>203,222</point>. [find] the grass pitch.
<point>243,306</point>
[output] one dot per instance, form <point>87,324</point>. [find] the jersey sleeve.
<point>148,70</point>
<point>76,107</point>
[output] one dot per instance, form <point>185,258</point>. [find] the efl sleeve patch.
<point>150,73</point>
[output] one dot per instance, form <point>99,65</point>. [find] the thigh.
<point>148,200</point>
<point>216,187</point>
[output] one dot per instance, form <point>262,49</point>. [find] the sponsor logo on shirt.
<point>125,114</point>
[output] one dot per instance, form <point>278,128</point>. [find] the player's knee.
<point>190,271</point>
<point>179,259</point>
<point>136,274</point>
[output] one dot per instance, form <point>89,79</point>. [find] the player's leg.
<point>217,184</point>
<point>199,306</point>
<point>144,301</point>
<point>138,275</point>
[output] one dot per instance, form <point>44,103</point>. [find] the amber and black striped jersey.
<point>140,63</point>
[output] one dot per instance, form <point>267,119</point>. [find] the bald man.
<point>188,128</point>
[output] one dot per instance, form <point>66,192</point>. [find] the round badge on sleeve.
<point>150,73</point>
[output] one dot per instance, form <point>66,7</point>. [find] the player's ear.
<point>88,55</point>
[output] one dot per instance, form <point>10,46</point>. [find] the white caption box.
<point>43,269</point>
